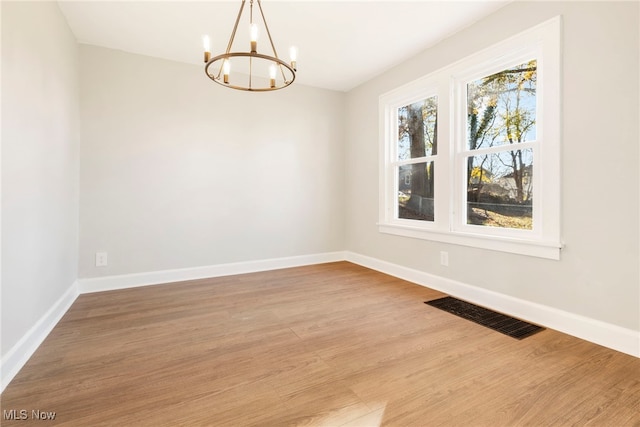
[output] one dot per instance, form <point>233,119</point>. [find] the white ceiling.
<point>341,43</point>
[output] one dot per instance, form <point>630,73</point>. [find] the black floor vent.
<point>499,322</point>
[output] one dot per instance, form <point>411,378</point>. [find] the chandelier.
<point>253,67</point>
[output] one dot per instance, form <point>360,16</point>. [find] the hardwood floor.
<point>326,345</point>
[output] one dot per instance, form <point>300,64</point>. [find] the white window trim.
<point>449,225</point>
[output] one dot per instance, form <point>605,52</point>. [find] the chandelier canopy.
<point>253,71</point>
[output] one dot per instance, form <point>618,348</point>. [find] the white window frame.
<point>449,85</point>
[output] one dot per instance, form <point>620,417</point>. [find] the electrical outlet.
<point>444,258</point>
<point>101,259</point>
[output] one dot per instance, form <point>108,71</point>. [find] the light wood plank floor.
<point>326,345</point>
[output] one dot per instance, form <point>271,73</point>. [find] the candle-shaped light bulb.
<point>206,42</point>
<point>226,67</point>
<point>254,32</point>
<point>272,76</point>
<point>293,53</point>
<point>254,38</point>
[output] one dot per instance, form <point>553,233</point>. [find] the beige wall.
<point>178,172</point>
<point>39,164</point>
<point>597,275</point>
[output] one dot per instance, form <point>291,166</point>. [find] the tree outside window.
<point>417,143</point>
<point>501,120</point>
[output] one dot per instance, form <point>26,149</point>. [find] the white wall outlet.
<point>101,259</point>
<point>444,258</point>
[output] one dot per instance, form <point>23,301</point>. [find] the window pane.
<point>500,189</point>
<point>415,191</point>
<point>501,108</point>
<point>417,130</point>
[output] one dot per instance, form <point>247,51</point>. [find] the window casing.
<point>500,191</point>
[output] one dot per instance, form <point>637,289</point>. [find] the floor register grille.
<point>499,322</point>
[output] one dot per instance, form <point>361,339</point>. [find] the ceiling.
<point>341,44</point>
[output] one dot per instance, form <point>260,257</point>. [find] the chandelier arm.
<point>284,76</point>
<point>235,27</point>
<point>273,47</point>
<point>232,38</point>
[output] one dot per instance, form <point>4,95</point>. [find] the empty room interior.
<point>413,217</point>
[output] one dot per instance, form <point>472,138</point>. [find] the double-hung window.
<point>470,153</point>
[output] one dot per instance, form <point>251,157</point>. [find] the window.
<point>470,154</point>
<point>501,127</point>
<point>416,149</point>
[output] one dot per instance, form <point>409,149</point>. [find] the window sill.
<point>547,250</point>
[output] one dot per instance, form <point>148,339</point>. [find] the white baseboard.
<point>109,283</point>
<point>602,333</point>
<point>608,335</point>
<point>20,353</point>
